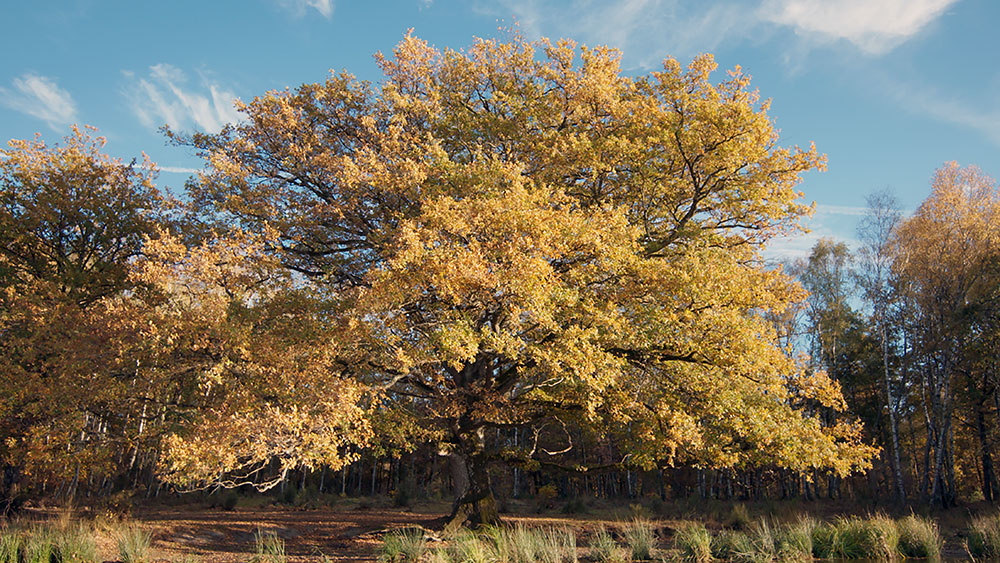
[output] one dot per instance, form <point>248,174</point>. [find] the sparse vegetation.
<point>983,537</point>
<point>695,543</point>
<point>604,548</point>
<point>640,539</point>
<point>406,544</point>
<point>919,537</point>
<point>269,547</point>
<point>133,543</point>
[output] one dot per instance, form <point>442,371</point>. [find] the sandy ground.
<point>215,535</point>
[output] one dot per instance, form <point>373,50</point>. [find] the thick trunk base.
<point>473,513</point>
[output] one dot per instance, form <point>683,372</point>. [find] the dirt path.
<point>224,537</point>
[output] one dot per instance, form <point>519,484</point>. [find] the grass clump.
<point>883,537</point>
<point>467,547</point>
<point>983,537</point>
<point>919,537</point>
<point>640,538</point>
<point>726,545</point>
<point>48,543</point>
<point>795,541</point>
<point>10,545</point>
<point>853,539</point>
<point>521,544</point>
<point>38,547</point>
<point>406,544</point>
<point>132,543</point>
<point>694,543</point>
<point>875,537</point>
<point>760,545</point>
<point>604,548</point>
<point>269,547</point>
<point>75,543</point>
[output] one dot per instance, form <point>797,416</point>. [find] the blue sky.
<point>888,89</point>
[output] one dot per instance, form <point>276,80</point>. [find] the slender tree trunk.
<point>989,479</point>
<point>897,468</point>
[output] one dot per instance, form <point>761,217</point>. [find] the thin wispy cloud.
<point>801,245</point>
<point>874,26</point>
<point>301,7</point>
<point>165,96</point>
<point>178,169</point>
<point>40,97</point>
<point>981,116</point>
<point>856,211</point>
<point>645,30</point>
<point>983,120</point>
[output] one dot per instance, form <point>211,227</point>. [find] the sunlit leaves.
<point>517,232</point>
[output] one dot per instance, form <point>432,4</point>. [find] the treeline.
<point>907,323</point>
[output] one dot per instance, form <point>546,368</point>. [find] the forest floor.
<point>352,529</point>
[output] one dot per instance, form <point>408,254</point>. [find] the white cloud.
<point>165,97</point>
<point>300,7</point>
<point>40,96</point>
<point>874,26</point>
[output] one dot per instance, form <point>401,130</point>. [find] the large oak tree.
<point>519,234</point>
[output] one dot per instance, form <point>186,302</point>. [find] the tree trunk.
<point>890,403</point>
<point>474,502</point>
<point>10,503</point>
<point>989,478</point>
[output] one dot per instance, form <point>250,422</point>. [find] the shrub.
<point>695,543</point>
<point>288,493</point>
<point>229,500</point>
<point>575,505</point>
<point>739,517</point>
<point>919,537</point>
<point>545,497</point>
<point>983,537</point>
<point>402,497</point>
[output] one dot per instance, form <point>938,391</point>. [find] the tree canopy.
<point>519,234</point>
